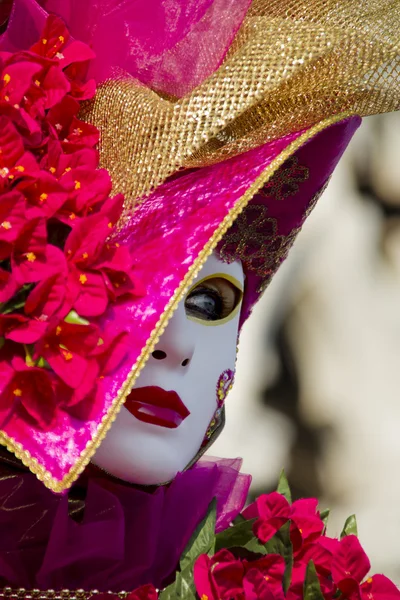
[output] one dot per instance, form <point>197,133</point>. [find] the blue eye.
<point>205,304</point>
<point>212,299</point>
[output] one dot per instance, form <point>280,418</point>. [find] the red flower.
<point>32,258</point>
<point>20,329</point>
<point>25,389</point>
<point>306,523</point>
<point>54,37</point>
<point>16,79</point>
<point>264,576</point>
<point>48,297</point>
<point>219,577</point>
<point>67,347</point>
<point>85,401</point>
<point>350,565</point>
<point>98,270</point>
<point>8,286</point>
<point>45,196</point>
<point>145,592</point>
<point>273,511</point>
<point>15,163</point>
<point>379,587</point>
<point>112,350</point>
<point>255,587</point>
<point>86,188</point>
<point>12,220</point>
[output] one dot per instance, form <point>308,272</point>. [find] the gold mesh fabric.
<point>292,64</point>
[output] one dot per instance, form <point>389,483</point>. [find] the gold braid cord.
<point>293,63</point>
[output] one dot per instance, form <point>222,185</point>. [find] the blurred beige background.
<point>317,387</point>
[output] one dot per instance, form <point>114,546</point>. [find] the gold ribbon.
<point>293,64</point>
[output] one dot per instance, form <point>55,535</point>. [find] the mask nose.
<point>176,346</point>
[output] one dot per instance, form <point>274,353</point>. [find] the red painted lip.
<point>154,405</point>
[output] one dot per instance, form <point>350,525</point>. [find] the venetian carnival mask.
<point>172,409</point>
<point>204,176</point>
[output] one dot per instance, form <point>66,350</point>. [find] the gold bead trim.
<point>23,594</point>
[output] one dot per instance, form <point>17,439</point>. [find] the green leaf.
<point>312,588</point>
<point>237,535</point>
<point>283,487</point>
<point>281,544</point>
<point>169,593</point>
<point>238,519</point>
<point>73,318</point>
<point>184,587</point>
<point>350,527</point>
<point>256,546</point>
<point>203,538</point>
<point>324,514</point>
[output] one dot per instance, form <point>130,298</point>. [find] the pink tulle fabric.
<point>126,537</point>
<point>169,45</point>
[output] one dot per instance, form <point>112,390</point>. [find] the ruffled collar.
<point>104,534</point>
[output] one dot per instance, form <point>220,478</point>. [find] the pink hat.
<point>217,140</point>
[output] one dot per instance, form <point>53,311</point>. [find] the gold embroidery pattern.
<point>286,180</point>
<point>281,251</point>
<point>289,240</point>
<point>254,240</point>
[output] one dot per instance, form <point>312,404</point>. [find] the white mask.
<point>150,444</point>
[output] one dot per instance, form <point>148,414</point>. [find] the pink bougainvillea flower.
<point>30,390</point>
<point>47,298</point>
<point>272,569</point>
<point>12,216</point>
<point>66,347</point>
<point>44,195</point>
<point>89,291</point>
<point>81,88</point>
<point>306,523</point>
<point>54,86</point>
<point>54,37</point>
<point>319,552</point>
<point>32,259</point>
<point>61,115</point>
<point>8,285</point>
<point>218,577</point>
<point>15,163</point>
<point>112,350</point>
<point>350,565</point>
<point>255,587</point>
<point>20,329</point>
<point>379,587</point>
<point>84,402</point>
<point>118,276</point>
<point>272,510</point>
<point>11,144</point>
<point>86,188</point>
<point>80,135</point>
<point>29,252</point>
<point>112,209</point>
<point>16,79</point>
<point>93,267</point>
